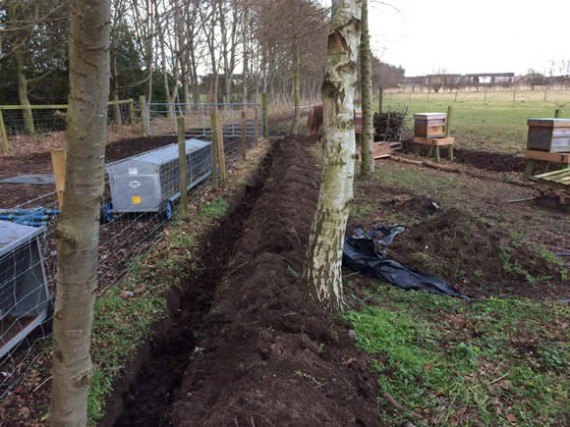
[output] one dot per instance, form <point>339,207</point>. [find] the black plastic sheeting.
<point>364,252</point>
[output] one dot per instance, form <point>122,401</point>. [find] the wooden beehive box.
<point>429,125</point>
<point>552,135</point>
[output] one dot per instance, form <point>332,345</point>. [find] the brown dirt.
<point>245,346</point>
<point>262,344</point>
<point>495,162</point>
<point>471,252</point>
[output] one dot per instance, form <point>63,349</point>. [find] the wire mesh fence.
<point>138,205</point>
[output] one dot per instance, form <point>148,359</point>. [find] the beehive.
<point>429,125</point>
<point>552,135</point>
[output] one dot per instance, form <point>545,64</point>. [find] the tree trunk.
<point>245,53</point>
<point>29,127</point>
<point>21,74</point>
<point>296,87</point>
<point>322,273</point>
<point>194,75</point>
<point>78,226</point>
<point>367,133</point>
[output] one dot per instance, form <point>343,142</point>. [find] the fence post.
<point>447,131</point>
<point>214,148</point>
<point>5,146</point>
<point>556,113</point>
<point>58,160</point>
<point>144,118</point>
<point>256,130</point>
<point>380,99</point>
<point>448,120</point>
<point>243,142</point>
<point>183,168</point>
<point>221,150</point>
<point>264,108</point>
<point>132,112</point>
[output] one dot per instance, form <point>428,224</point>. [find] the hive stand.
<point>435,143</point>
<point>432,130</point>
<point>545,158</point>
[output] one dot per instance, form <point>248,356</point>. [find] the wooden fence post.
<point>183,168</point>
<point>264,108</point>
<point>221,150</point>
<point>243,141</point>
<point>144,118</point>
<point>256,130</point>
<point>380,99</point>
<point>447,132</point>
<point>132,112</point>
<point>214,148</point>
<point>5,146</point>
<point>448,120</point>
<point>556,113</point>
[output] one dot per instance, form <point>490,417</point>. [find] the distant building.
<point>454,81</point>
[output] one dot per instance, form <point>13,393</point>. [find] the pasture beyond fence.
<point>230,129</point>
<point>488,120</point>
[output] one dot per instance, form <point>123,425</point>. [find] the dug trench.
<point>246,346</point>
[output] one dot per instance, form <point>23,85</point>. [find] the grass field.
<point>485,121</point>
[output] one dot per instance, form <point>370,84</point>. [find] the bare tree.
<point>78,226</point>
<point>367,133</point>
<point>322,273</point>
<point>25,22</point>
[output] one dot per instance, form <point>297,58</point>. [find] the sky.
<point>462,37</point>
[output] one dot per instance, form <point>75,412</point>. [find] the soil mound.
<point>479,258</point>
<point>267,354</point>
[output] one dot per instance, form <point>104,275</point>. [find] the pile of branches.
<point>388,126</point>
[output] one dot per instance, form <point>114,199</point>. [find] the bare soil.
<point>246,346</point>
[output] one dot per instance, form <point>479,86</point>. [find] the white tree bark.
<point>323,269</point>
<point>78,226</point>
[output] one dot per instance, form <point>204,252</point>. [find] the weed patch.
<point>451,362</point>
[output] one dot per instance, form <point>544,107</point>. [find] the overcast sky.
<point>460,36</point>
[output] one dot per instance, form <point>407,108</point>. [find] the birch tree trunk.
<point>322,273</point>
<point>367,134</point>
<point>78,226</point>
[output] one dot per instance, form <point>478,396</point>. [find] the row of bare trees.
<point>168,30</point>
<point>183,50</point>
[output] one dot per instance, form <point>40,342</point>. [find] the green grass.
<point>123,323</point>
<point>489,123</point>
<point>451,362</point>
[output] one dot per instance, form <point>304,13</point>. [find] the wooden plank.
<point>554,175</point>
<point>58,161</point>
<point>548,157</point>
<point>380,150</point>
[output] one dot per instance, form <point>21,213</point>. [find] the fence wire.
<point>27,273</point>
